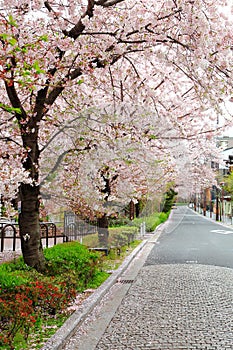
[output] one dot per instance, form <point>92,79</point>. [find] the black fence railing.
<point>76,228</point>
<point>10,238</point>
<point>9,234</point>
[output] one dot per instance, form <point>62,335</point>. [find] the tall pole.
<point>204,202</point>
<point>217,206</point>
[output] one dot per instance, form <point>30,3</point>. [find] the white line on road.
<point>222,232</point>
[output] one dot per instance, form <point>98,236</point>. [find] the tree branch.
<point>90,9</point>
<point>55,92</point>
<point>9,139</point>
<point>75,31</point>
<point>171,14</point>
<point>178,42</point>
<point>66,126</point>
<point>59,160</point>
<point>14,99</point>
<point>107,3</point>
<point>39,105</point>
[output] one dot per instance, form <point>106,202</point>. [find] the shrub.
<point>27,297</point>
<point>120,236</point>
<point>163,216</point>
<point>22,308</point>
<point>72,257</point>
<point>17,314</point>
<point>16,265</point>
<point>117,222</point>
<point>151,221</point>
<point>10,281</point>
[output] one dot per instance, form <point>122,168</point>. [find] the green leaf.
<point>152,137</point>
<point>37,67</point>
<point>10,109</point>
<point>12,22</point>
<point>80,81</point>
<point>44,37</point>
<point>4,36</point>
<point>12,41</point>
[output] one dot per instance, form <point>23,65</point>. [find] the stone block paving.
<point>174,307</point>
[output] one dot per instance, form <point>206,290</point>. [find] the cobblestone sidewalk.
<point>174,307</point>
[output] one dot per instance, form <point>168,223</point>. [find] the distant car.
<point>174,206</point>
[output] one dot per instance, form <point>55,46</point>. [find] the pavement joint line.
<point>65,332</point>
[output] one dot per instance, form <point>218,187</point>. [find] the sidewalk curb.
<point>58,340</point>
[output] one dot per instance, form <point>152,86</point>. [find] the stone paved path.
<point>174,307</point>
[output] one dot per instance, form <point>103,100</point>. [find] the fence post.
<point>3,236</point>
<point>54,232</point>
<point>2,240</point>
<point>142,228</point>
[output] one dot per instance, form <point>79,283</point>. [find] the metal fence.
<point>75,228</point>
<point>10,238</point>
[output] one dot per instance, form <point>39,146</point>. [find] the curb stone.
<point>65,332</point>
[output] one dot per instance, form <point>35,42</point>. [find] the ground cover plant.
<point>29,300</point>
<point>34,305</point>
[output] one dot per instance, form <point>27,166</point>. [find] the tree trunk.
<point>29,227</point>
<point>29,195</point>
<point>131,210</point>
<point>103,233</point>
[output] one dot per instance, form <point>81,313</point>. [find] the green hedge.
<point>121,236</point>
<point>151,221</point>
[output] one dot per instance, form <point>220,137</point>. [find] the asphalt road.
<point>190,238</point>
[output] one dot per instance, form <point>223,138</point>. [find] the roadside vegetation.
<point>34,305</point>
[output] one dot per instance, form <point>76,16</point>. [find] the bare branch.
<point>135,69</point>
<point>9,139</point>
<point>178,42</point>
<point>59,160</point>
<point>56,91</point>
<point>171,14</point>
<point>47,5</point>
<point>75,31</point>
<point>107,3</point>
<point>79,27</point>
<point>39,105</point>
<point>113,89</point>
<point>14,99</point>
<point>90,9</point>
<point>59,131</point>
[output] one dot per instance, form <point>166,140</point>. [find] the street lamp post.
<point>217,206</point>
<point>204,202</point>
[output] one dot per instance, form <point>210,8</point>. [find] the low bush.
<point>72,257</point>
<point>151,221</point>
<point>27,297</point>
<point>120,236</point>
<point>10,281</point>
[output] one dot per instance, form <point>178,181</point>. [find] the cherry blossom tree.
<point>58,59</point>
<point>120,163</point>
